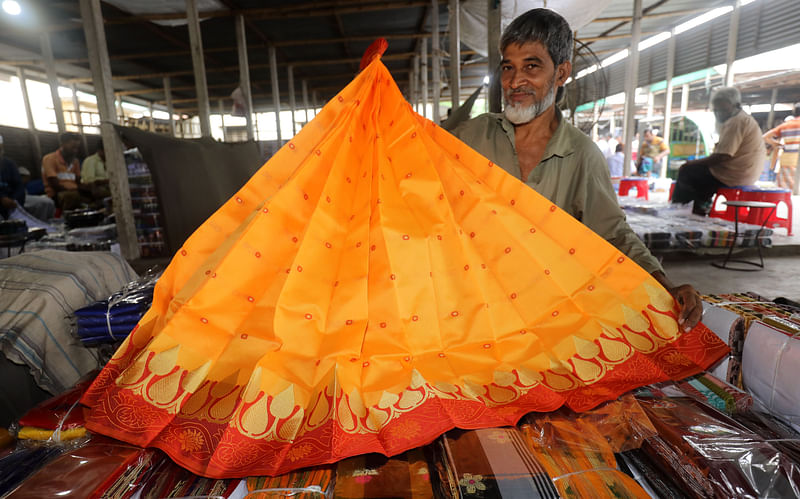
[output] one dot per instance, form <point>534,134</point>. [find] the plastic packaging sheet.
<point>377,476</point>
<point>710,455</point>
<point>308,483</point>
<point>781,435</point>
<point>112,319</point>
<point>618,425</point>
<point>86,471</point>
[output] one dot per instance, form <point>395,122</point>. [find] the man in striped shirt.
<point>789,132</point>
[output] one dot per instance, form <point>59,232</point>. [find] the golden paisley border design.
<point>156,378</point>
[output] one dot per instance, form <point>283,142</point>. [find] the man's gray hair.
<point>728,94</point>
<point>543,26</point>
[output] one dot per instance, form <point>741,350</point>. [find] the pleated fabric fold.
<point>375,284</point>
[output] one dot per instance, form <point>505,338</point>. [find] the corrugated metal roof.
<point>138,47</point>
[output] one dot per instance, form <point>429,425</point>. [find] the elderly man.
<point>738,157</point>
<point>532,141</point>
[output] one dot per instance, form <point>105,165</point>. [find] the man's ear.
<point>563,71</point>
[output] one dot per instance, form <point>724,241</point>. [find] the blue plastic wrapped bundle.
<point>112,319</point>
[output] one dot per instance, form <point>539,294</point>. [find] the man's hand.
<point>687,297</point>
<point>8,203</point>
<point>691,305</point>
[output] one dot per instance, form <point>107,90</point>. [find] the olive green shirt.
<point>572,174</point>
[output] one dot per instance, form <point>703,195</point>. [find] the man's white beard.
<point>519,114</point>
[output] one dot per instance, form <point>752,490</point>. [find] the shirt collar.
<point>559,144</point>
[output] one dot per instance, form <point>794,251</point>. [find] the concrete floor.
<point>780,277</point>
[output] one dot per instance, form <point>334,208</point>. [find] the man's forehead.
<point>531,49</point>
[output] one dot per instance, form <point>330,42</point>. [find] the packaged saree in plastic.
<point>310,483</point>
<point>86,471</point>
<point>577,451</point>
<point>375,284</point>
<point>491,462</point>
<point>377,476</point>
<point>710,455</point>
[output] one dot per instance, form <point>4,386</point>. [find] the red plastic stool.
<point>719,208</point>
<point>781,216</point>
<point>640,184</point>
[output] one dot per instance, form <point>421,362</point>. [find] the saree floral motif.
<point>374,285</point>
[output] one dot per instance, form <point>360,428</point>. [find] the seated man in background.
<point>94,177</point>
<point>61,172</point>
<point>651,152</point>
<point>12,190</point>
<point>533,142</point>
<point>616,162</point>
<point>738,157</point>
<point>38,205</point>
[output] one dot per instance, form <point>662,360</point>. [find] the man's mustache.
<point>521,90</point>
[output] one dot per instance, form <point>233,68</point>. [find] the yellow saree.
<point>374,285</point>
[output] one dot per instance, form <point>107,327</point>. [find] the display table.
<point>759,211</point>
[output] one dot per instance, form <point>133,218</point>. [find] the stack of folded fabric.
<point>557,454</point>
<point>112,319</point>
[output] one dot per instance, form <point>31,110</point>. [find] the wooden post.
<point>199,66</point>
<point>276,96</point>
<point>436,71</point>
<point>292,103</point>
<point>424,68</point>
<point>773,99</point>
<point>244,75</point>
<point>733,35</point>
<point>221,105</point>
<point>151,126</point>
<point>37,146</point>
<point>314,102</point>
<point>495,91</point>
<point>52,79</point>
<point>115,161</point>
<point>76,106</point>
<point>668,97</point>
<point>170,110</point>
<point>631,77</point>
<point>120,111</point>
<point>305,99</point>
<point>417,84</point>
<point>455,55</point>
